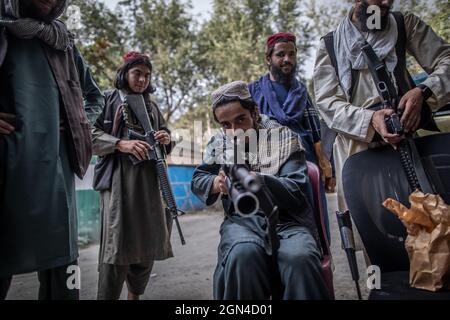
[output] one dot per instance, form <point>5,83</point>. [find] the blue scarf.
<point>289,114</point>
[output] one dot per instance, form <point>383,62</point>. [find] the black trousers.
<point>5,283</point>
<point>52,284</point>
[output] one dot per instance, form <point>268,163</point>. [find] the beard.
<point>29,10</point>
<point>363,16</point>
<point>281,76</point>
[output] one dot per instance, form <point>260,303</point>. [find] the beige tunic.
<point>135,227</point>
<point>352,121</point>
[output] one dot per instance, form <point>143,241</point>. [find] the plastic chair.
<point>369,178</point>
<point>314,178</point>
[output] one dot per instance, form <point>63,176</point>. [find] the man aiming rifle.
<point>252,265</point>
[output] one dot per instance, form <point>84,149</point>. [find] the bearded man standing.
<point>346,95</point>
<point>283,98</point>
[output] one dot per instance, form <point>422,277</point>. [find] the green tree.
<point>230,47</point>
<point>100,38</point>
<point>326,16</point>
<point>288,15</point>
<point>418,7</point>
<point>201,111</point>
<point>164,29</point>
<point>440,19</point>
<point>232,42</point>
<point>435,13</point>
<point>129,9</point>
<point>291,16</point>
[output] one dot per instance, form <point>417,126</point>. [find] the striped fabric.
<point>54,33</point>
<point>275,144</point>
<point>311,122</point>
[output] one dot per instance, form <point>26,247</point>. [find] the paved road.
<point>189,274</point>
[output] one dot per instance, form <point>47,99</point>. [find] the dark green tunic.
<point>38,225</point>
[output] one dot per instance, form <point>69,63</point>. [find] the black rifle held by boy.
<point>137,104</point>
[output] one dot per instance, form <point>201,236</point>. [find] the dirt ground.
<point>188,276</point>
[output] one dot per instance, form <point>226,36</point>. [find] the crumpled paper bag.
<point>428,241</point>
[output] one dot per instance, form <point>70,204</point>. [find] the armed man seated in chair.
<point>247,267</point>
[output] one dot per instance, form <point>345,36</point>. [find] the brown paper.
<point>428,241</point>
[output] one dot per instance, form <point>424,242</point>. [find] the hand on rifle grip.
<point>411,103</point>
<point>220,184</point>
<point>379,124</point>
<point>137,148</point>
<point>163,137</point>
<point>6,123</point>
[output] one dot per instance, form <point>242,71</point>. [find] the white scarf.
<point>348,42</point>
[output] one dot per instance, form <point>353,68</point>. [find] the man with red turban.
<point>283,98</point>
<point>135,227</point>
